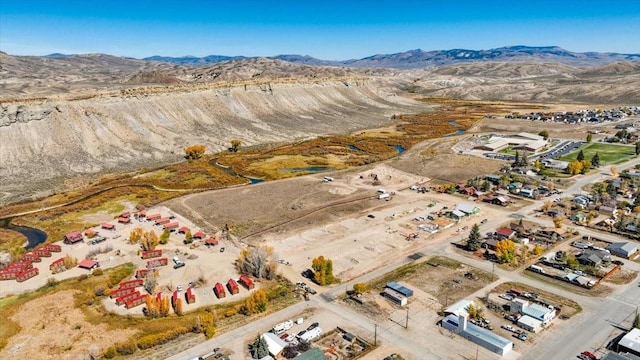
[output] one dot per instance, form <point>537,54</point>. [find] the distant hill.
<point>422,59</point>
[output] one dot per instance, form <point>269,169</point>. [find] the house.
<point>88,264</point>
<point>551,233</point>
<point>607,210</point>
<point>399,288</point>
<point>623,249</point>
<point>463,210</point>
<point>73,237</point>
<point>577,217</point>
<point>183,230</point>
<point>491,243</point>
<point>536,311</point>
<point>593,257</point>
<point>469,191</point>
<point>505,233</point>
<point>199,235</point>
<point>124,220</point>
<point>211,241</point>
<point>528,192</point>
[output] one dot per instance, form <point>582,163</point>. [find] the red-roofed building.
<point>153,217</point>
<point>232,285</point>
<point>27,274</point>
<point>246,282</point>
<point>90,233</point>
<point>211,241</point>
<point>219,290</point>
<point>171,226</point>
<point>125,214</point>
<point>505,233</point>
<point>57,266</point>
<point>73,237</point>
<point>108,226</point>
<point>199,235</point>
<point>141,299</point>
<point>124,220</point>
<point>53,247</point>
<point>141,273</point>
<point>142,213</point>
<point>190,296</point>
<point>163,221</point>
<point>88,264</point>
<point>30,257</point>
<point>183,230</point>
<point>42,252</point>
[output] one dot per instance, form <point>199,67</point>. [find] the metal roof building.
<point>631,342</point>
<point>477,335</point>
<point>399,288</point>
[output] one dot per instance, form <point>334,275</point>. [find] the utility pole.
<point>406,323</point>
<point>493,269</point>
<point>375,335</point>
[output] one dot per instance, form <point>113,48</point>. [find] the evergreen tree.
<point>259,348</point>
<point>595,160</point>
<point>517,160</point>
<point>580,156</point>
<point>637,148</point>
<point>473,242</point>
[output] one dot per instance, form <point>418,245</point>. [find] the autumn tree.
<point>150,281</point>
<point>323,271</point>
<point>613,171</point>
<point>257,302</point>
<point>178,307</point>
<point>538,250</point>
<point>235,145</point>
<point>164,306</point>
<point>524,253</point>
<point>557,222</point>
<point>152,309</point>
<point>149,240</point>
<point>473,242</point>
<point>164,238</point>
<point>135,235</point>
<point>505,251</point>
<point>258,262</point>
<point>188,238</point>
<point>360,288</point>
<point>194,152</point>
<point>70,262</point>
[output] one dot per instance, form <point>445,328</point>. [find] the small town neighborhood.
<point>494,264</point>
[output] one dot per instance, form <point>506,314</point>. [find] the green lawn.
<point>608,153</point>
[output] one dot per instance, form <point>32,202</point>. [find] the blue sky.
<point>326,29</point>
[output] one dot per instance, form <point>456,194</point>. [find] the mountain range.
<point>420,59</point>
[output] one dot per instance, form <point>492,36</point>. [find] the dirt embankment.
<point>56,139</point>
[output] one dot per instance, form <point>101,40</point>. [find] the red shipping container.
<point>124,298</point>
<point>5,275</point>
<point>19,266</point>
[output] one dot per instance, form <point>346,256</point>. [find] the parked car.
<point>521,336</point>
<point>313,326</point>
<point>310,290</point>
<point>179,288</point>
<point>284,336</point>
<point>506,297</point>
<point>508,327</point>
<point>178,265</point>
<point>484,221</point>
<point>585,355</point>
<point>371,216</point>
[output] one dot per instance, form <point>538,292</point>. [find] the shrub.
<point>51,282</point>
<point>126,348</point>
<point>97,272</point>
<point>209,331</point>
<point>230,312</point>
<point>110,353</point>
<point>82,277</point>
<point>99,291</point>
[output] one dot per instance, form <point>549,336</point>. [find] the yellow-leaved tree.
<point>505,251</point>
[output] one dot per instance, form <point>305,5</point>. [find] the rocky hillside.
<point>51,139</point>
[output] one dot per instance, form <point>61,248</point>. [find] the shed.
<point>218,289</point>
<point>153,217</point>
<point>211,241</point>
<point>171,226</point>
<point>124,220</point>
<point>232,285</point>
<point>199,235</point>
<point>88,264</point>
<point>246,282</point>
<point>399,288</point>
<point>394,296</point>
<point>163,221</point>
<point>184,230</point>
<point>90,233</point>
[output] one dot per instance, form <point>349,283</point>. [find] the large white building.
<point>630,342</point>
<point>477,335</point>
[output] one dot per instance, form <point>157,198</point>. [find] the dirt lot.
<point>60,331</point>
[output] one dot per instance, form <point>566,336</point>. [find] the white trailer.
<point>282,327</point>
<point>311,335</point>
<point>384,196</point>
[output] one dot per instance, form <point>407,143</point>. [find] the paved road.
<point>590,330</point>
